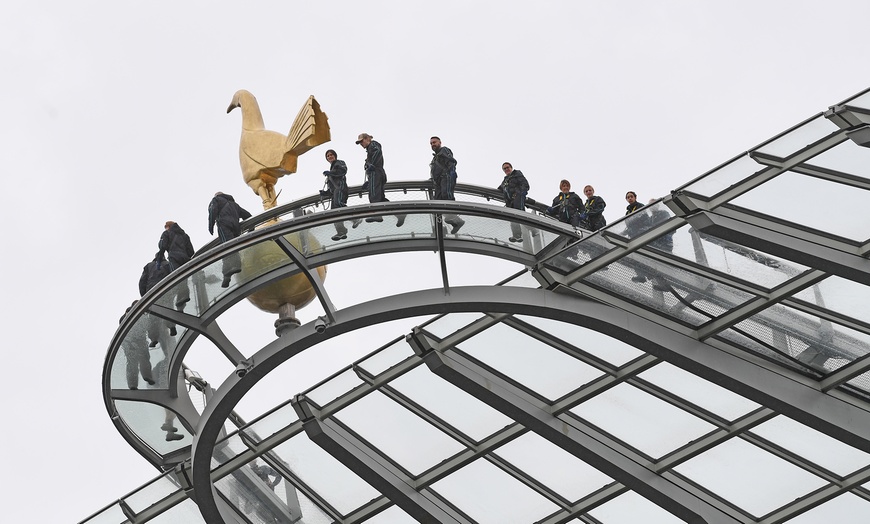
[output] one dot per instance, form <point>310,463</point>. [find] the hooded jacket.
<point>223,211</point>
<point>176,244</point>
<point>153,273</point>
<point>515,187</point>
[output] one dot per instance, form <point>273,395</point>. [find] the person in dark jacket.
<point>376,176</point>
<point>226,214</point>
<point>178,248</point>
<point>639,222</point>
<point>515,188</point>
<point>152,274</point>
<point>442,170</point>
<point>592,217</point>
<point>566,205</point>
<point>633,204</point>
<point>336,180</point>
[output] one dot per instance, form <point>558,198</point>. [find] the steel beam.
<point>532,413</point>
<point>365,461</point>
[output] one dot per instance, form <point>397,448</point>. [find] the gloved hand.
<point>327,173</point>
<point>365,186</point>
<point>551,210</point>
<point>158,265</point>
<point>582,216</point>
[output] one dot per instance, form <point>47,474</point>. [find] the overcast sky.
<point>115,121</point>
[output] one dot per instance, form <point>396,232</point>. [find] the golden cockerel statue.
<point>265,156</point>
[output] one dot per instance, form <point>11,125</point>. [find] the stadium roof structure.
<point>704,359</point>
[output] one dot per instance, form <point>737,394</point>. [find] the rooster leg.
<point>267,193</point>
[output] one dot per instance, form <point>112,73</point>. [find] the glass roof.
<point>704,359</point>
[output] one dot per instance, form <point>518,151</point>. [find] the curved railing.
<point>159,419</point>
<point>606,261</point>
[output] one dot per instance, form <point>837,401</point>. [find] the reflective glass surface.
<point>839,295</point>
<point>749,477</point>
<point>396,426</point>
<point>845,220</point>
<point>514,416</point>
<point>148,422</point>
<point>480,489</point>
<point>531,363</point>
<point>820,344</point>
<point>726,176</point>
<point>328,477</point>
<point>847,157</point>
<point>635,417</point>
<point>704,394</point>
<point>798,138</point>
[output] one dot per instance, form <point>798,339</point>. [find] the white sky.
<point>115,121</point>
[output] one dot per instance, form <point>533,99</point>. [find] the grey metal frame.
<point>823,402</point>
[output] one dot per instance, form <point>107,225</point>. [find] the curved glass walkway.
<point>703,360</point>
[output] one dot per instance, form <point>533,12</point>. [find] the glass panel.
<point>311,512</point>
<point>147,421</point>
<point>597,344</point>
<point>448,324</point>
<point>456,407</point>
<point>329,478</point>
<point>706,395</point>
<point>272,423</point>
<point>669,290</point>
<point>631,508</point>
<point>848,221</point>
<point>186,512</point>
<point>643,220</point>
<point>205,287</point>
<point>156,490</point>
<point>742,341</point>
<point>480,490</point>
<point>844,509</point>
<point>525,279</point>
<point>389,427</point>
<point>812,445</point>
<point>749,477</point>
<point>636,418</point>
<point>539,367</point>
<point>334,387</point>
<point>111,515</point>
<point>386,358</point>
<point>820,344</point>
<point>750,265</point>
<point>392,515</point>
<point>587,249</point>
<point>862,381</point>
<point>797,139</point>
<point>553,467</point>
<point>848,157</point>
<point>421,225</point>
<point>862,100</point>
<point>417,225</point>
<point>261,494</point>
<point>136,366</point>
<point>726,176</point>
<point>842,296</point>
<point>227,449</point>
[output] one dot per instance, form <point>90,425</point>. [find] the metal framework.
<point>706,359</point>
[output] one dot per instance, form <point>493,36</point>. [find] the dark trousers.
<point>232,263</point>
<point>444,185</point>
